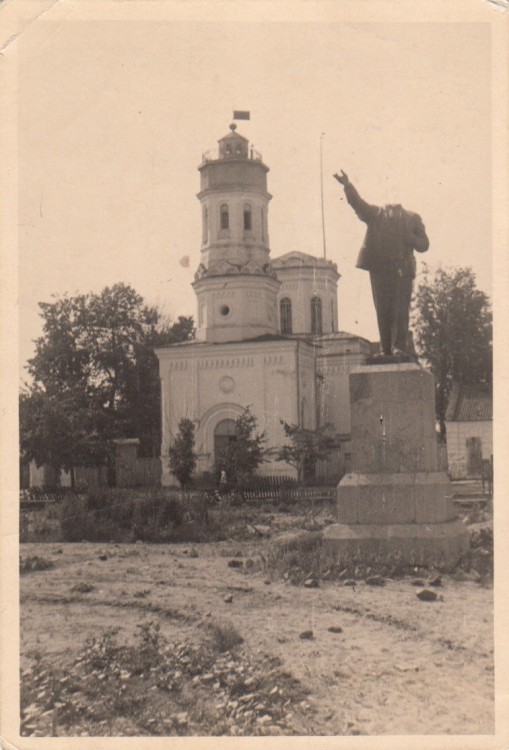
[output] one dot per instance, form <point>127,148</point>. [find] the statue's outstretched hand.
<point>342,178</point>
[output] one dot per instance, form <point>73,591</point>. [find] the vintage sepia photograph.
<point>253,374</point>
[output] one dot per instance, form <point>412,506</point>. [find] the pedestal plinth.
<point>395,504</point>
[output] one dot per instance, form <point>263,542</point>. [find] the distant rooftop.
<point>470,403</point>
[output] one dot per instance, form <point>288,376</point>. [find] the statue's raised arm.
<point>362,208</point>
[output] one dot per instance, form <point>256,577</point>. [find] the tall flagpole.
<point>321,193</point>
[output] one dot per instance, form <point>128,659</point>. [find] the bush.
<point>224,636</point>
<point>74,520</point>
<point>127,515</point>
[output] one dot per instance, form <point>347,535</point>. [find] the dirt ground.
<point>398,666</point>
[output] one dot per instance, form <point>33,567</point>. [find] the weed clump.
<point>224,636</point>
<point>33,563</point>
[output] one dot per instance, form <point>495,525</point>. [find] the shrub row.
<point>128,515</point>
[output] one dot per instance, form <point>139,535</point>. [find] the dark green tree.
<point>95,370</point>
<point>306,448</point>
<point>63,431</point>
<point>182,455</point>
<point>452,326</point>
<point>243,455</point>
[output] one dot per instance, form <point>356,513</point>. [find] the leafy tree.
<point>182,455</point>
<point>306,448</point>
<point>243,455</point>
<point>95,376</point>
<point>63,431</point>
<point>452,324</point>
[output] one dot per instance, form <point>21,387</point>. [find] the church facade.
<point>267,329</point>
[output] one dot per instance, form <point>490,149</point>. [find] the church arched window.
<point>225,218</point>
<point>205,235</point>
<point>316,316</point>
<point>285,308</point>
<point>248,218</point>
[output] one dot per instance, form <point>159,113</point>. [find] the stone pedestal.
<point>395,505</point>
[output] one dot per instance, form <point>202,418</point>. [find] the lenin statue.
<point>387,253</point>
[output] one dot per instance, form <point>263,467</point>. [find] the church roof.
<point>296,259</point>
<point>338,335</point>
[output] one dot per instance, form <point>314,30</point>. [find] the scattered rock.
<point>375,581</point>
<point>103,557</point>
<point>249,563</point>
<point>267,581</point>
<point>306,635</point>
<point>235,563</point>
<point>184,551</point>
<point>82,587</point>
<point>426,595</point>
<point>311,583</point>
<point>436,581</point>
<point>407,667</point>
<point>335,629</point>
<point>193,553</point>
<point>350,582</point>
<point>228,599</point>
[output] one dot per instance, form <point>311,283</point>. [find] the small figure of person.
<point>223,481</point>
<point>387,253</point>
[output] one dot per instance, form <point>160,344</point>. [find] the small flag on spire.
<point>240,114</point>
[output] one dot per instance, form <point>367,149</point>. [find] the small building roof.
<point>470,403</point>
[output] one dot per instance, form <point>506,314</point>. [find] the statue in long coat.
<point>387,252</point>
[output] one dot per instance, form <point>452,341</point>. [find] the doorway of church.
<point>224,435</point>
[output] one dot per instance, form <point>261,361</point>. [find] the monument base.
<point>387,497</point>
<point>395,506</point>
<point>438,544</point>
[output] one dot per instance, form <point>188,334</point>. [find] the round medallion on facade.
<point>227,384</point>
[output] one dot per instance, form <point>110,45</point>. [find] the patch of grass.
<point>297,556</point>
<point>301,556</point>
<point>33,563</point>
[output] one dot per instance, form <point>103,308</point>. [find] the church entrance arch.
<point>224,435</point>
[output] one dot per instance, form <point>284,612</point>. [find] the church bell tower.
<point>235,287</point>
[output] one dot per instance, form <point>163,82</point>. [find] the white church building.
<point>267,329</point>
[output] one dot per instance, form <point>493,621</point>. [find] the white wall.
<point>209,383</point>
<point>457,434</point>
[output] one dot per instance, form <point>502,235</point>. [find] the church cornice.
<point>246,188</point>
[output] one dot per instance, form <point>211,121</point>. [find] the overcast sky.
<point>114,117</point>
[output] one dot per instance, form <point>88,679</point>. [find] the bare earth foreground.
<point>395,665</point>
